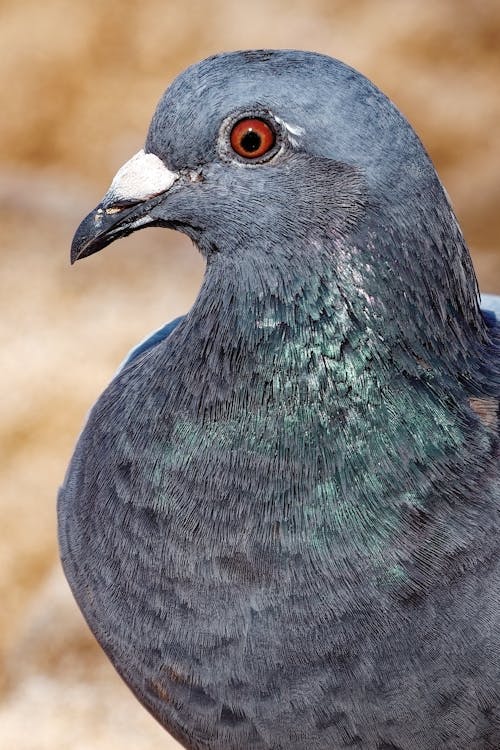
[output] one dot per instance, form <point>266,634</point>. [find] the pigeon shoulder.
<point>490,303</point>
<point>153,339</point>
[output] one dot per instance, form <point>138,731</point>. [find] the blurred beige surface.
<point>79,82</point>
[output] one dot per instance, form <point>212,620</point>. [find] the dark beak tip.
<point>75,250</point>
<point>103,226</point>
<point>92,235</point>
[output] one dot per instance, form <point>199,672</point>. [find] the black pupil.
<point>251,141</point>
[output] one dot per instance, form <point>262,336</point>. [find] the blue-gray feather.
<point>491,303</point>
<point>152,340</point>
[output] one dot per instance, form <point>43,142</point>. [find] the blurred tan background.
<point>79,81</point>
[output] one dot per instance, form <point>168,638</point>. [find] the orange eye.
<point>252,138</point>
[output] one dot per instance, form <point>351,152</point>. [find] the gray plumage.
<point>281,518</point>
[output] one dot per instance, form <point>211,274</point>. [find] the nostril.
<point>119,205</point>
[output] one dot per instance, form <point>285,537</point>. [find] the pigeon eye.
<point>252,138</point>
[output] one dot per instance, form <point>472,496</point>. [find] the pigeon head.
<point>291,172</point>
<point>318,146</point>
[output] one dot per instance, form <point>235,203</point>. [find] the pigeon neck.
<point>355,447</point>
<point>307,322</point>
<point>295,342</point>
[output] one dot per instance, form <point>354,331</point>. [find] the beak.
<point>137,187</point>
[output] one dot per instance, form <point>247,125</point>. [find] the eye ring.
<point>252,137</point>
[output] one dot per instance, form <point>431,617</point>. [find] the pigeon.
<point>281,519</point>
